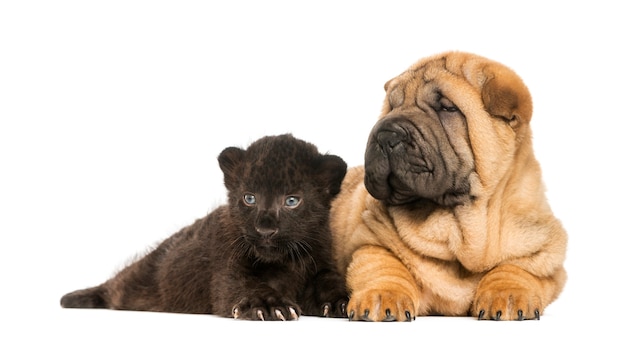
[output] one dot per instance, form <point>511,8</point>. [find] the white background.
<point>112,114</point>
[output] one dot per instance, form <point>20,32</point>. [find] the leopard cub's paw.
<point>338,309</point>
<point>266,309</point>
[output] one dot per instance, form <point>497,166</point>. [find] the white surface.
<point>112,116</point>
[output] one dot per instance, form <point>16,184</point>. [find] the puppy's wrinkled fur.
<point>448,215</point>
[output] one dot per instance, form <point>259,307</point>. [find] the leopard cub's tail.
<point>90,298</point>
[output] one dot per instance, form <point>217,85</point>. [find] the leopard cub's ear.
<point>230,161</point>
<point>330,171</point>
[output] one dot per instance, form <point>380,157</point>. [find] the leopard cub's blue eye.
<point>292,201</point>
<point>249,199</point>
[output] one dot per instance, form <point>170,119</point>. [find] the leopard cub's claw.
<point>236,312</point>
<point>293,313</point>
<point>325,310</point>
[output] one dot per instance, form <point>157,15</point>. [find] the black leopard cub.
<point>265,255</point>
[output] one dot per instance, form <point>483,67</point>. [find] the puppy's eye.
<point>447,105</point>
<point>449,109</point>
<point>292,201</point>
<point>249,199</point>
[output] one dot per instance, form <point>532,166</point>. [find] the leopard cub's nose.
<point>266,232</point>
<point>266,224</point>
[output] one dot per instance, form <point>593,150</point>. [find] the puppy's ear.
<point>386,87</point>
<point>505,95</point>
<point>330,171</point>
<point>230,161</point>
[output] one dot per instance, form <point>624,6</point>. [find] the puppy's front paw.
<point>266,309</point>
<point>508,293</point>
<point>381,305</point>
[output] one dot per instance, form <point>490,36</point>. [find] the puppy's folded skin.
<point>448,214</point>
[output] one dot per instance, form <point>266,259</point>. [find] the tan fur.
<point>499,253</point>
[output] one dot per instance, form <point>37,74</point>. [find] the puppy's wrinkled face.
<point>419,151</point>
<point>438,127</point>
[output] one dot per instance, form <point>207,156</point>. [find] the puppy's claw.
<point>498,315</point>
<point>408,316</point>
<point>351,316</point>
<point>520,315</point>
<point>279,314</point>
<point>537,314</point>
<point>481,314</point>
<point>259,315</point>
<point>343,308</point>
<point>388,316</point>
<point>366,316</point>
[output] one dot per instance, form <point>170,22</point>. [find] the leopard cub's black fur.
<point>266,255</point>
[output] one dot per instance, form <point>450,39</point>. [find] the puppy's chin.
<point>399,195</point>
<point>383,190</point>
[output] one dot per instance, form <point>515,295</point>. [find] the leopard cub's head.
<point>279,194</point>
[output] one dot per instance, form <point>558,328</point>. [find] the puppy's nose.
<point>389,139</point>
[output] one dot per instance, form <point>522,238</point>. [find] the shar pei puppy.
<point>448,214</point>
